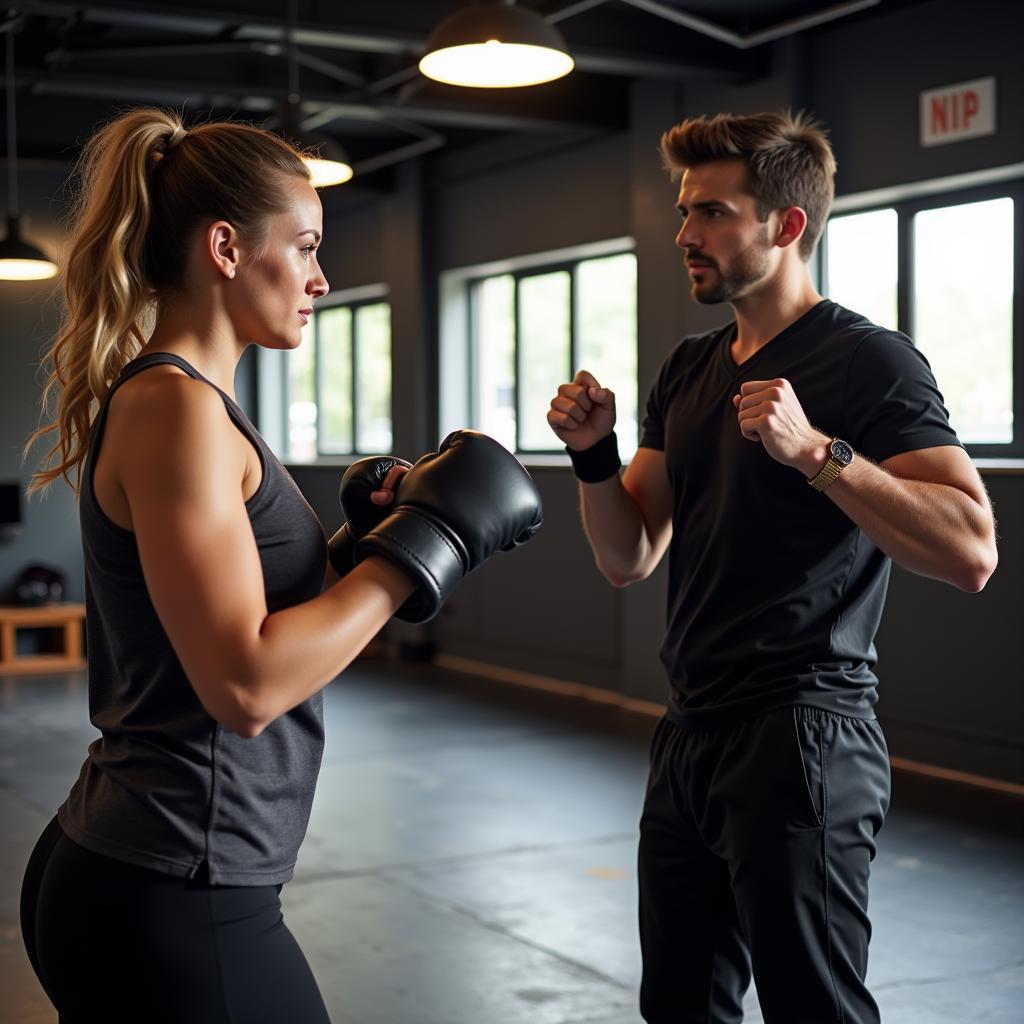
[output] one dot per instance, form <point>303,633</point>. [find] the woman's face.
<point>271,297</point>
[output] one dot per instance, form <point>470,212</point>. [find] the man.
<point>769,774</point>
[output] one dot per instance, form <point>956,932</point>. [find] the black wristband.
<point>598,462</point>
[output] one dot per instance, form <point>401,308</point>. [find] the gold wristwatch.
<point>840,455</point>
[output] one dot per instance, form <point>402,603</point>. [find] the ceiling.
<point>77,63</point>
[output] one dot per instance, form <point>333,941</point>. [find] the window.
<point>861,264</point>
<point>338,383</point>
<point>941,269</point>
<point>531,328</point>
<point>962,310</point>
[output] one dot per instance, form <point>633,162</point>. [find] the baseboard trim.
<point>564,687</point>
<point>567,688</point>
<point>934,771</point>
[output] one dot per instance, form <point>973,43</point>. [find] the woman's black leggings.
<point>113,943</point>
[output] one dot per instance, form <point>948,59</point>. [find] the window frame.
<point>353,307</point>
<point>471,283</point>
<point>353,300</point>
<point>906,208</point>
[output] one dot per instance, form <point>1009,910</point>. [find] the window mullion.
<point>905,271</point>
<point>286,401</point>
<point>573,322</point>
<point>516,350</point>
<point>473,354</point>
<point>353,384</point>
<point>317,382</point>
<point>1017,324</point>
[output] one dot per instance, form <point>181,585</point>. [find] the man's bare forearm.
<point>616,531</point>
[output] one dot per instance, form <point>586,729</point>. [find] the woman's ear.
<point>222,247</point>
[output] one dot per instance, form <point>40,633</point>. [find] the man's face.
<point>728,247</point>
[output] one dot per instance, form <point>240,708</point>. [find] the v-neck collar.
<point>738,369</point>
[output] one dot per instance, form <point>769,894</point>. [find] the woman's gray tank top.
<point>165,786</point>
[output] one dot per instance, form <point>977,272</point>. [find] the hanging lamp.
<point>495,46</point>
<point>19,261</point>
<point>327,162</point>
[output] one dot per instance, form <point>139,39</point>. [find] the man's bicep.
<point>941,464</point>
<point>646,481</point>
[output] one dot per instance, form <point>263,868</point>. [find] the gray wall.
<point>570,195</point>
<point>30,318</point>
<point>31,314</point>
<point>866,79</point>
<point>949,662</point>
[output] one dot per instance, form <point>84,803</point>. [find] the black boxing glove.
<point>452,511</point>
<point>361,479</point>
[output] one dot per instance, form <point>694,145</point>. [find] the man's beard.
<point>746,269</point>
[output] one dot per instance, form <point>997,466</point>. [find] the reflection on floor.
<point>471,859</point>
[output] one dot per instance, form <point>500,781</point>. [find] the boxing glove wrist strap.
<point>598,462</point>
<point>340,549</point>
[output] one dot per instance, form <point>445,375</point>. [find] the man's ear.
<point>792,224</point>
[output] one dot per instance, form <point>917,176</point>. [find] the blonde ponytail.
<point>145,183</point>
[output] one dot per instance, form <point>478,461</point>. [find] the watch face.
<point>841,452</point>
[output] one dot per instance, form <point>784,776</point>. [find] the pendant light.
<point>326,160</point>
<point>19,261</point>
<point>495,46</point>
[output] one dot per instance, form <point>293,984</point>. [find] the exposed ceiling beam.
<point>751,39</point>
<point>395,156</point>
<point>572,10</point>
<point>63,55</point>
<point>634,64</point>
<point>164,17</point>
<point>329,70</point>
<point>257,97</point>
<point>245,26</point>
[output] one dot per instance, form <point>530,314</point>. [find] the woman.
<point>154,893</point>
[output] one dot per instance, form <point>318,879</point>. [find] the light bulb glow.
<point>27,270</point>
<point>327,172</point>
<point>496,65</point>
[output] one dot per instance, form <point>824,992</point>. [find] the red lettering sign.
<point>965,110</point>
<point>970,107</point>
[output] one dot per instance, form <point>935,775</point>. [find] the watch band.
<point>840,455</point>
<point>828,475</point>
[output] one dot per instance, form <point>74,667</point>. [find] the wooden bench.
<point>67,618</point>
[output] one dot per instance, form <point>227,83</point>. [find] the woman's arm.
<point>182,477</point>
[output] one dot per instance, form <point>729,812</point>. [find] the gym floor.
<point>471,858</point>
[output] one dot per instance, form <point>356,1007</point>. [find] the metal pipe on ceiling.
<point>752,39</point>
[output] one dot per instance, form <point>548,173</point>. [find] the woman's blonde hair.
<point>146,183</point>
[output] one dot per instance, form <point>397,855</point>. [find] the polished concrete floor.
<point>471,859</point>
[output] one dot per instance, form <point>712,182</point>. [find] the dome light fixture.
<point>19,261</point>
<point>495,46</point>
<point>323,156</point>
<point>327,162</point>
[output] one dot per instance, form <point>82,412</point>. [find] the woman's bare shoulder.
<point>165,416</point>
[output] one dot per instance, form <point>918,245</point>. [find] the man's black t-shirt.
<point>774,594</point>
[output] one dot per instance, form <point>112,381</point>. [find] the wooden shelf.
<point>67,618</point>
